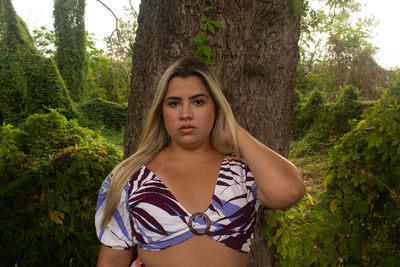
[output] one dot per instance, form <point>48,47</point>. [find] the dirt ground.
<point>311,169</point>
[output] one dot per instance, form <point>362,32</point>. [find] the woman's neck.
<point>176,152</point>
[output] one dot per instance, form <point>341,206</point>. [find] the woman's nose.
<point>186,112</point>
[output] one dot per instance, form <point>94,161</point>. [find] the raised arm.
<point>279,182</point>
<point>109,257</point>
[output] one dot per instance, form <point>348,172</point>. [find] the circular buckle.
<point>205,218</point>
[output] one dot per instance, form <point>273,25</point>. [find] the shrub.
<point>108,78</point>
<point>99,113</point>
<point>364,176</point>
<point>355,222</point>
<point>306,114</point>
<point>319,124</point>
<point>51,170</point>
<point>302,235</point>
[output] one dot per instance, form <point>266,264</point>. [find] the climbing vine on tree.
<point>29,82</point>
<point>70,40</point>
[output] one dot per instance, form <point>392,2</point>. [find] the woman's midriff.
<point>197,251</point>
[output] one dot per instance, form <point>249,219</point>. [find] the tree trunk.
<point>256,55</point>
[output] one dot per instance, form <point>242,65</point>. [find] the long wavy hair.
<point>155,137</point>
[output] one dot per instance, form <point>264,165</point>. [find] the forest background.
<point>60,136</point>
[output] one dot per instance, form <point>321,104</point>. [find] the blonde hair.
<point>155,137</point>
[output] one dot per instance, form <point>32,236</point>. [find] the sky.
<point>100,21</point>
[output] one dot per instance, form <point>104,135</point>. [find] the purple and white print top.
<point>149,215</point>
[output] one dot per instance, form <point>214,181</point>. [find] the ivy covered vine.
<point>29,82</point>
<point>70,40</point>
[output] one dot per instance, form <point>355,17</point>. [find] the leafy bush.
<point>364,177</point>
<point>302,235</point>
<point>318,124</point>
<point>306,114</point>
<point>51,170</point>
<point>108,78</point>
<point>356,221</point>
<point>98,113</point>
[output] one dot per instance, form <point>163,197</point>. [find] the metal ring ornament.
<point>199,215</point>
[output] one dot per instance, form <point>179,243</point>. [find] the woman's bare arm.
<point>112,257</point>
<point>279,182</point>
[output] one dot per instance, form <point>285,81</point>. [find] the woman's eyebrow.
<point>198,95</point>
<point>192,97</point>
<point>173,98</point>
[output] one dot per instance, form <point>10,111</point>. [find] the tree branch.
<point>116,24</point>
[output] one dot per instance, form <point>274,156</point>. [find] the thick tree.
<point>70,40</point>
<point>256,53</point>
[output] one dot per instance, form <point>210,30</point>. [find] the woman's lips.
<point>187,129</point>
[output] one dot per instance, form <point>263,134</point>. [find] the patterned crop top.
<point>149,215</point>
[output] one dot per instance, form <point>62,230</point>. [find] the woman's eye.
<point>198,102</point>
<point>172,104</point>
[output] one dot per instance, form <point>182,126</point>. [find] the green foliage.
<point>304,115</point>
<point>29,82</point>
<point>364,176</point>
<point>108,79</point>
<point>302,234</point>
<point>51,170</point>
<point>336,50</point>
<point>355,222</point>
<point>114,137</point>
<point>44,41</point>
<point>109,75</point>
<point>318,124</point>
<point>202,51</point>
<point>70,40</point>
<point>298,7</point>
<point>99,113</point>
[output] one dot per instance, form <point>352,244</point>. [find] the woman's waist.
<point>195,251</point>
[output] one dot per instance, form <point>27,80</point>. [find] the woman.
<point>189,195</point>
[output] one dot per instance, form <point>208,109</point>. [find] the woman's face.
<point>188,112</point>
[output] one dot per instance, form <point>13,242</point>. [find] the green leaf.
<point>371,142</point>
<point>379,141</point>
<point>284,252</point>
<point>311,199</point>
<point>292,253</point>
<point>203,27</point>
<point>207,51</point>
<point>285,239</point>
<point>333,205</point>
<point>208,8</point>
<point>395,141</point>
<point>211,28</point>
<point>56,216</point>
<point>217,24</point>
<point>385,156</point>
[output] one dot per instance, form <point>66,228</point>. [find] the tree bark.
<point>256,55</point>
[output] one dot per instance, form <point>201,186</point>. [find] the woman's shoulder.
<point>233,160</point>
<point>235,166</point>
<point>138,175</point>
